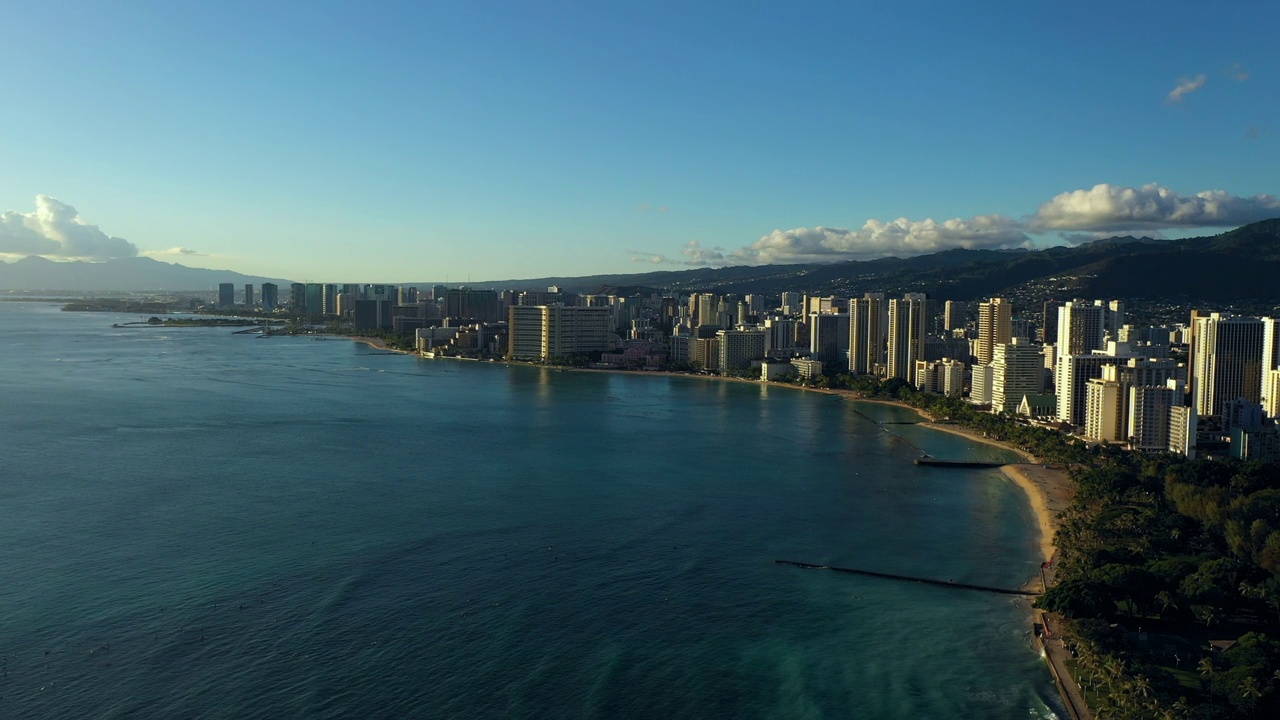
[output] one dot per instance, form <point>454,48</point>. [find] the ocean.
<point>201,524</point>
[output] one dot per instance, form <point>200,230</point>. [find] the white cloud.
<point>652,258</point>
<point>1237,73</point>
<point>56,230</point>
<point>1185,87</point>
<point>174,252</point>
<point>1078,216</point>
<point>876,239</point>
<point>695,254</point>
<point>1109,208</point>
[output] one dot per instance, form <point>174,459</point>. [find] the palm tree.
<point>1250,692</point>
<point>1206,668</point>
<point>1140,686</point>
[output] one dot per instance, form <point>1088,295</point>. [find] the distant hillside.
<point>1243,264</point>
<point>128,274</point>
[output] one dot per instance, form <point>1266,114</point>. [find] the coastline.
<point>378,344</point>
<point>1049,491</point>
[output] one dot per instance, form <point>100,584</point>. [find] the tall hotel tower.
<point>995,327</point>
<point>1228,362</point>
<point>907,329</point>
<point>866,333</point>
<point>1080,328</point>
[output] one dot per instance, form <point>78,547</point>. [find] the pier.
<point>935,462</point>
<point>909,578</point>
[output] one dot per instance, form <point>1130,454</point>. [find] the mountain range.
<point>1242,264</point>
<point>125,274</point>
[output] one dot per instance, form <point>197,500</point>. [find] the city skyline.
<point>504,141</point>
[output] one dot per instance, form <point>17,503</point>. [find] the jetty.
<point>910,578</point>
<point>935,462</point>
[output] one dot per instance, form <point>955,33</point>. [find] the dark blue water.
<point>197,524</point>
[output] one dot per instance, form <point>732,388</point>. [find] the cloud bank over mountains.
<point>1109,208</point>
<point>56,230</point>
<point>882,239</point>
<point>1097,212</point>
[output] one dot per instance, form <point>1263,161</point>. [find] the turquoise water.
<point>200,524</point>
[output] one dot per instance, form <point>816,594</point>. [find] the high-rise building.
<point>476,305</point>
<point>738,348</point>
<point>1270,349</point>
<point>944,377</point>
<point>315,298</point>
<point>908,327</point>
<point>1071,383</point>
<point>524,332</point>
<point>270,296</point>
<point>828,338</point>
<point>705,351</point>
<point>952,372</point>
<point>1183,423</point>
<point>866,334</point>
<point>544,332</point>
<point>1103,418</point>
<point>995,326</point>
<point>780,334</point>
<point>1271,393</point>
<point>298,298</point>
<point>980,387</point>
<point>1148,422</point>
<point>1109,411</point>
<point>791,303</point>
<point>1017,369</point>
<point>372,315</point>
<point>1081,329</point>
<point>329,299</point>
<point>952,316</point>
<point>248,295</point>
<point>1112,317</point>
<point>1049,322</point>
<point>226,294</point>
<point>1228,362</point>
<point>708,309</point>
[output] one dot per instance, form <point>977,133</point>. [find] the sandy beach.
<point>379,344</point>
<point>1050,491</point>
<point>1048,488</point>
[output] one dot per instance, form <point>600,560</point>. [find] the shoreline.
<point>377,344</point>
<point>1048,489</point>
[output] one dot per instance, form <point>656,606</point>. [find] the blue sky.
<point>407,141</point>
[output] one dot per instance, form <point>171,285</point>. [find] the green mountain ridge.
<point>1241,264</point>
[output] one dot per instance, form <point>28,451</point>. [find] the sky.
<point>397,142</point>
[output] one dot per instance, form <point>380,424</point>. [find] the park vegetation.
<point>1162,558</point>
<point>1168,568</point>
